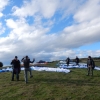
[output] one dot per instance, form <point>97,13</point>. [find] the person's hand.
<point>33,59</point>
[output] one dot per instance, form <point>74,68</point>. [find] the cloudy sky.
<point>49,29</point>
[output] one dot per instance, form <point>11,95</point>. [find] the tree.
<point>1,64</point>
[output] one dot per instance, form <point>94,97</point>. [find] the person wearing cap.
<point>90,65</point>
<point>26,62</point>
<point>16,68</point>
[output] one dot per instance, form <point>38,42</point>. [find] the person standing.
<point>67,61</point>
<point>16,68</point>
<point>26,61</point>
<point>77,61</point>
<point>90,65</point>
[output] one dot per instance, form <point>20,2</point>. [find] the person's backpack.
<point>93,64</point>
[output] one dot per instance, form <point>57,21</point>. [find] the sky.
<point>49,29</point>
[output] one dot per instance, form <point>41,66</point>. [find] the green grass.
<point>51,86</point>
<point>97,63</point>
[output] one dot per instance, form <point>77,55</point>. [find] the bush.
<point>1,64</point>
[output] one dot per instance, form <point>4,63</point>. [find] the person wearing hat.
<point>26,62</point>
<point>16,68</point>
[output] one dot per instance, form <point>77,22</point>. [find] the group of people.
<point>90,64</point>
<point>76,60</point>
<point>16,65</point>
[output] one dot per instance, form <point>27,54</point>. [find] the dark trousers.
<point>15,71</point>
<point>77,63</point>
<point>67,64</point>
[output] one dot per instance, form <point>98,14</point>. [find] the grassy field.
<point>51,86</point>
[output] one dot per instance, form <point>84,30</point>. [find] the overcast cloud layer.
<point>48,29</point>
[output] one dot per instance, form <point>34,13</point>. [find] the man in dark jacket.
<point>77,61</point>
<point>90,65</point>
<point>67,61</point>
<point>26,61</point>
<point>16,68</point>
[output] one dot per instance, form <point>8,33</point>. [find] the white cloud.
<point>46,8</point>
<point>1,14</point>
<point>28,9</point>
<point>89,11</point>
<point>83,33</point>
<point>11,23</point>
<point>3,4</point>
<point>2,29</point>
<point>34,40</point>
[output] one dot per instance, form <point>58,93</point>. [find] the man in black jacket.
<point>26,61</point>
<point>77,61</point>
<point>67,61</point>
<point>16,68</point>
